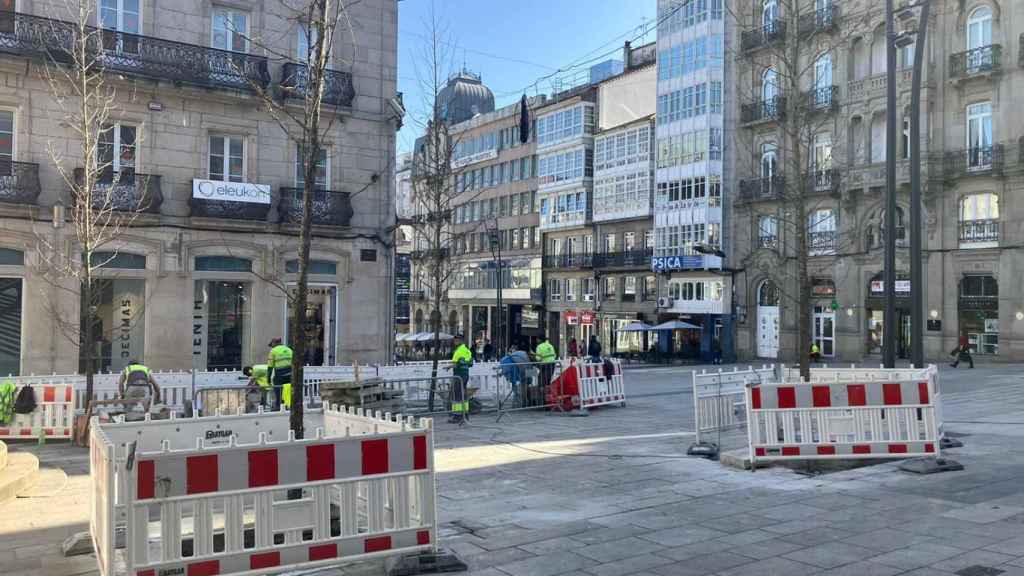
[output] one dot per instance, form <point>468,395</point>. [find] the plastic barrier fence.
<point>239,495</point>
<point>869,419</point>
<point>826,373</point>
<point>54,416</point>
<point>596,388</point>
<point>718,397</point>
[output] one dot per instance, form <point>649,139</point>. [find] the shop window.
<point>223,264</point>
<point>119,260</point>
<point>221,324</point>
<point>11,294</point>
<point>324,267</point>
<point>118,324</point>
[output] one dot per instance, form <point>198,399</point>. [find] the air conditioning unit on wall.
<point>665,302</point>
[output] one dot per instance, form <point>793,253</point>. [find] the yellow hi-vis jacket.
<point>280,356</point>
<point>462,359</point>
<point>286,395</point>
<point>545,352</point>
<point>260,374</point>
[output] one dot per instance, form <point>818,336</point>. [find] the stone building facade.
<point>196,281</point>
<point>972,169</point>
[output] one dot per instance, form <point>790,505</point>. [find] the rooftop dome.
<point>463,97</point>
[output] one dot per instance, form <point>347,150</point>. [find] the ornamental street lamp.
<point>494,237</point>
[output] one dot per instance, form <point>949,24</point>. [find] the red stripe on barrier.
<point>419,452</point>
<point>262,468</point>
<point>201,475</point>
<point>826,450</point>
<point>25,432</point>
<point>790,450</point>
<point>755,398</point>
<point>892,395</point>
<point>862,449</point>
<point>323,552</point>
<point>207,568</point>
<point>787,397</point>
<point>423,537</point>
<point>145,481</point>
<point>67,393</point>
<point>48,431</point>
<point>822,396</point>
<point>922,392</point>
<point>759,451</point>
<point>67,432</point>
<point>265,560</point>
<point>375,456</point>
<point>149,572</point>
<point>5,432</point>
<point>49,393</point>
<point>929,447</point>
<point>897,448</point>
<point>377,544</point>
<point>856,395</point>
<point>320,462</point>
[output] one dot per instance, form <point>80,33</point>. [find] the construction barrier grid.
<point>363,487</point>
<point>718,397</point>
<point>871,419</point>
<point>53,417</point>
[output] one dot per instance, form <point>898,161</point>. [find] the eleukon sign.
<point>231,191</point>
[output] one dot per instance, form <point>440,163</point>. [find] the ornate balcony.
<point>19,182</point>
<point>127,191</point>
<point>572,261</point>
<point>763,36</point>
<point>133,54</point>
<point>984,60</point>
<point>982,161</point>
<point>824,19</point>
<point>762,188</point>
<point>821,243</point>
<point>338,88</point>
<point>228,209</point>
<point>825,180</point>
<point>624,259</point>
<point>773,109</point>
<point>822,99</point>
<point>979,232</point>
<point>330,208</point>
<point>768,241</point>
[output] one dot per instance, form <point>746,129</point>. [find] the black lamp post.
<point>494,236</point>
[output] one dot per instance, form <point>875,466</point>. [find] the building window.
<point>562,166</point>
<point>118,260</point>
<point>650,288</point>
<point>768,232</point>
<point>979,220</point>
<point>629,241</point>
<point>979,29</point>
<point>555,288</point>
<point>588,289</point>
<point>979,135</point>
<point>227,158</point>
<point>322,169</point>
<point>11,294</point>
<point>609,243</point>
<point>6,136</point>
<point>221,324</point>
<point>322,267</point>
<point>572,286</point>
<point>629,289</point>
<point>222,264</point>
<point>610,285</point>
<point>565,124</point>
<point>230,29</point>
<point>120,15</point>
<point>115,150</point>
<point>821,236</point>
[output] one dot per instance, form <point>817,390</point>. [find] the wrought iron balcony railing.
<point>974,161</point>
<point>823,180</point>
<point>762,188</point>
<point>204,208</point>
<point>126,191</point>
<point>763,110</point>
<point>624,259</point>
<point>819,243</point>
<point>330,208</point>
<point>977,231</point>
<point>763,36</point>
<point>338,88</point>
<point>133,54</point>
<point>569,261</point>
<point>823,19</point>
<point>19,182</point>
<point>986,59</point>
<point>769,241</point>
<point>822,99</point>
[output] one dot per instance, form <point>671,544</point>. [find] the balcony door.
<point>768,167</point>
<point>769,14</point>
<point>769,86</point>
<point>230,30</point>
<point>979,30</point>
<point>823,81</point>
<point>121,21</point>
<point>115,153</point>
<point>6,142</point>
<point>979,136</point>
<point>767,320</point>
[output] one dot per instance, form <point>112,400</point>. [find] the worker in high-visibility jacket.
<point>279,361</point>
<point>546,355</point>
<point>137,383</point>
<point>259,381</point>
<point>462,360</point>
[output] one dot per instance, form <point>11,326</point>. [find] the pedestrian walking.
<point>574,348</point>
<point>815,352</point>
<point>963,352</point>
<point>488,351</point>
<point>594,349</point>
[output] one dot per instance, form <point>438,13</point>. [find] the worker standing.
<point>462,360</point>
<point>545,354</point>
<point>137,382</point>
<point>279,361</point>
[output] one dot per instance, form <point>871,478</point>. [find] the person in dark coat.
<point>963,352</point>
<point>594,349</point>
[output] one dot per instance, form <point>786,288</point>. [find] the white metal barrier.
<point>239,495</point>
<point>718,397</point>
<point>826,373</point>
<point>840,419</point>
<point>54,416</point>
<point>596,388</point>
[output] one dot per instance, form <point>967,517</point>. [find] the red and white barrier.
<point>596,388</point>
<point>361,487</point>
<point>867,419</point>
<point>54,416</point>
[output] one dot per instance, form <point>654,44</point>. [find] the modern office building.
<point>197,278</point>
<point>972,161</point>
<point>692,173</point>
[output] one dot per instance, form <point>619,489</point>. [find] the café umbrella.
<point>635,327</point>
<point>676,325</point>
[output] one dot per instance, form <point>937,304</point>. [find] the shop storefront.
<point>978,313</point>
<point>11,301</point>
<point>222,314</point>
<point>824,321</point>
<point>875,308</point>
<point>320,324</point>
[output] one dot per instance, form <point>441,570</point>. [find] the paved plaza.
<point>614,494</point>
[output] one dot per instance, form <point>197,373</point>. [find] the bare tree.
<point>434,184</point>
<point>791,111</point>
<point>104,201</point>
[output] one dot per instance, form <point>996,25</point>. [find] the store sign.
<point>199,327</point>
<point>587,318</point>
<point>530,318</point>
<point>687,262</point>
<point>128,335</point>
<point>570,317</point>
<point>231,191</point>
<point>902,286</point>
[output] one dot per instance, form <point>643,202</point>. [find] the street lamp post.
<point>495,242</point>
<point>889,320</point>
<point>916,276</point>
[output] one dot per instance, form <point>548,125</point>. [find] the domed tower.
<point>463,97</point>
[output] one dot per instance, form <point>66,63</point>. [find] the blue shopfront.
<point>695,290</point>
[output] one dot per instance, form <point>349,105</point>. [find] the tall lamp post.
<point>895,42</point>
<point>494,236</point>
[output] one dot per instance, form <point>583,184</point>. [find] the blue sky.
<point>513,43</point>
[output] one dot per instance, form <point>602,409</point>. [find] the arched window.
<point>878,52</point>
<point>769,85</point>
<point>767,294</point>
<point>823,71</point>
<point>901,227</point>
<point>768,160</point>
<point>769,14</point>
<point>979,28</point>
<point>878,139</point>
